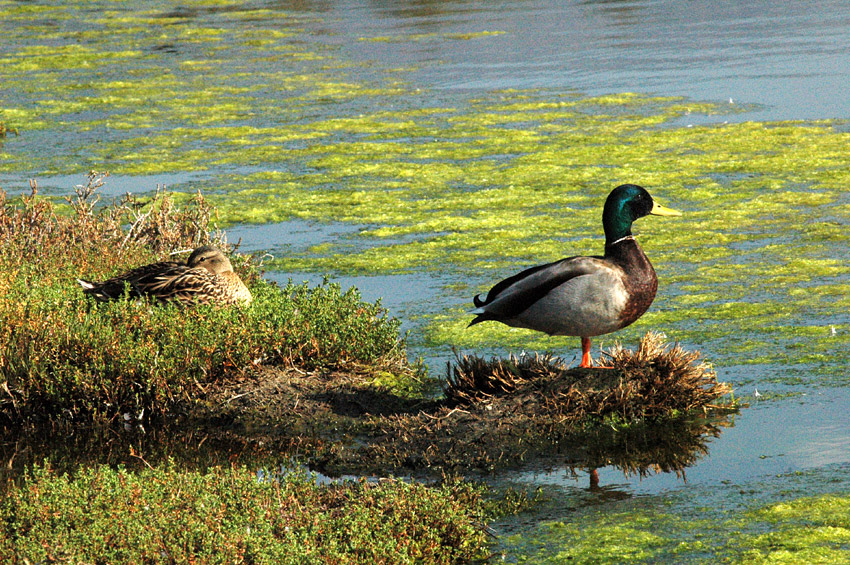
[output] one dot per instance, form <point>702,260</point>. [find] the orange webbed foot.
<point>586,359</point>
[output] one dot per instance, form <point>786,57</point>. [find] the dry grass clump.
<point>655,381</point>
<point>474,378</point>
<point>87,237</point>
<point>661,378</point>
<point>648,413</point>
<point>163,226</point>
<point>5,130</point>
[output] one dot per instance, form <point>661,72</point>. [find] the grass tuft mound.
<point>655,411</point>
<point>660,379</point>
<point>655,381</point>
<point>474,378</point>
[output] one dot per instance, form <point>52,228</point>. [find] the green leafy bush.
<point>61,353</point>
<point>164,515</point>
<point>64,352</point>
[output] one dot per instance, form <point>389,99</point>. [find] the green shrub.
<point>164,515</point>
<point>62,353</point>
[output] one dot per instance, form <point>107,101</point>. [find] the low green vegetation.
<point>65,354</point>
<point>165,515</point>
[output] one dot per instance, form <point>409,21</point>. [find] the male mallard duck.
<point>584,296</point>
<point>207,277</point>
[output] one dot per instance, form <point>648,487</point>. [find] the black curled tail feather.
<point>483,317</point>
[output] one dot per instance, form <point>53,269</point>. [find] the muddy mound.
<point>655,409</point>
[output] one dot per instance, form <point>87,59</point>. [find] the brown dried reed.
<point>94,239</point>
<point>658,379</point>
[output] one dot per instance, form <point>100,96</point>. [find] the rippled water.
<point>789,58</point>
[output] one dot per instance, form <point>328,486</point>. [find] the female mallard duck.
<point>207,277</point>
<point>584,296</point>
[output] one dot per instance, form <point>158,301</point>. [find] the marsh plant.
<point>657,381</point>
<point>66,355</point>
<point>6,130</point>
<point>167,515</point>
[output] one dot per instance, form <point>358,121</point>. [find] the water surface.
<point>788,58</point>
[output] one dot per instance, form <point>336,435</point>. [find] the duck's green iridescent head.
<point>624,205</point>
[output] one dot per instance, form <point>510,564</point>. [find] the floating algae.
<point>779,520</point>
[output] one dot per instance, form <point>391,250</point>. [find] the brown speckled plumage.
<point>207,277</point>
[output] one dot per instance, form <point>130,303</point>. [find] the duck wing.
<point>138,280</point>
<point>180,284</point>
<point>512,296</point>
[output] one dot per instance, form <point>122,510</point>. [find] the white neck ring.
<point>622,239</point>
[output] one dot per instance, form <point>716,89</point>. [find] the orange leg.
<point>594,479</point>
<point>586,361</point>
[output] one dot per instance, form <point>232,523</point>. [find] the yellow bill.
<point>659,210</point>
